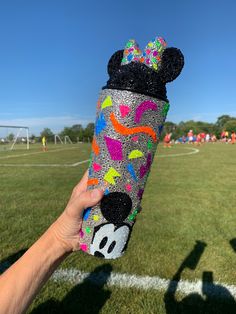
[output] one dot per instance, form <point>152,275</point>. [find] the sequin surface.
<point>122,155</point>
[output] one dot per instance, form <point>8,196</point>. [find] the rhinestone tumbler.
<point>131,111</point>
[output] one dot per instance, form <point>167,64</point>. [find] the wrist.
<point>56,239</point>
<point>65,231</point>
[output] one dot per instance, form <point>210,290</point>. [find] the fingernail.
<point>95,194</point>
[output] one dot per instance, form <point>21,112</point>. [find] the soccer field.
<point>182,252</point>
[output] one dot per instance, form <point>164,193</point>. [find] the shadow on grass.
<point>214,299</point>
<point>87,297</point>
<point>233,244</point>
<point>8,261</point>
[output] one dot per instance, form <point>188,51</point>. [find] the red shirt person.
<point>167,139</point>
<point>233,137</point>
<point>203,136</point>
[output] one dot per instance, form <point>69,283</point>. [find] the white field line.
<point>45,165</point>
<point>35,153</point>
<point>193,151</point>
<point>216,289</point>
<point>79,163</point>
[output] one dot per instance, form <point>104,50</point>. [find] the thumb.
<point>81,202</point>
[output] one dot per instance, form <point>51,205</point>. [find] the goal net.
<point>14,137</point>
<point>62,140</point>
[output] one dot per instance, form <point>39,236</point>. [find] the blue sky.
<point>54,54</point>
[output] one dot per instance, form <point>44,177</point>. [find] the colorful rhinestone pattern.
<point>151,56</point>
<point>127,130</point>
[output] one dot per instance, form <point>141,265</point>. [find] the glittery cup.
<point>130,115</point>
<point>127,130</point>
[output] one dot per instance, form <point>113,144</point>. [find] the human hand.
<point>66,228</point>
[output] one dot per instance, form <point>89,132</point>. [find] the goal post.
<point>57,139</point>
<point>10,135</point>
<point>62,140</point>
<point>67,139</point>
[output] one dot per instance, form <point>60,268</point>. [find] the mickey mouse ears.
<point>167,62</point>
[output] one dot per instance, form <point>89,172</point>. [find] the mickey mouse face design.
<point>110,239</point>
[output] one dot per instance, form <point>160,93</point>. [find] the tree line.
<point>223,123</point>
<point>78,133</point>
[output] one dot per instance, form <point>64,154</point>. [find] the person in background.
<point>233,137</point>
<point>198,141</point>
<point>226,136</point>
<point>167,140</point>
<point>179,140</point>
<point>44,143</point>
<point>203,136</point>
<point>208,137</point>
<point>20,283</point>
<point>213,138</point>
<point>190,137</point>
<point>194,139</point>
<point>222,136</point>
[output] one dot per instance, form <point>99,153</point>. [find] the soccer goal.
<point>59,140</point>
<point>14,137</point>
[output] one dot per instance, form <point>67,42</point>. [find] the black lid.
<point>139,78</point>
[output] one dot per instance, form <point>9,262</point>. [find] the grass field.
<point>190,196</point>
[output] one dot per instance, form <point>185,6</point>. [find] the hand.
<point>23,280</point>
<point>66,228</point>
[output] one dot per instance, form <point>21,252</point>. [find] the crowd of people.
<point>198,139</point>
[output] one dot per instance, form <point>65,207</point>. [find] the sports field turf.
<point>190,196</point>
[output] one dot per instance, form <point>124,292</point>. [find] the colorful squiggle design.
<point>123,148</point>
<point>144,106</point>
<point>123,130</point>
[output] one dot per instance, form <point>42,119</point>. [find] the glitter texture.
<point>118,172</point>
<point>131,111</point>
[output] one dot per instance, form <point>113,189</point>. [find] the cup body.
<point>127,130</point>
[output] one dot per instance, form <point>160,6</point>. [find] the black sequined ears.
<point>115,62</point>
<point>171,64</point>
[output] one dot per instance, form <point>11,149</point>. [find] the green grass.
<point>187,198</point>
